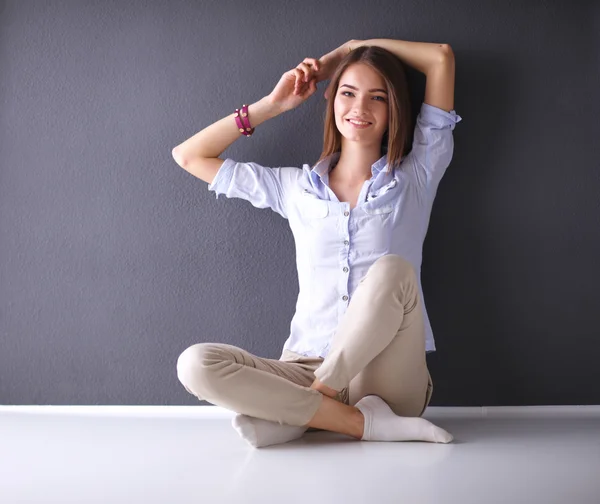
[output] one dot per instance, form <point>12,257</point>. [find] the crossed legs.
<point>377,351</point>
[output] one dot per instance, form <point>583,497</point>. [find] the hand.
<point>296,85</point>
<point>300,83</point>
<point>319,69</point>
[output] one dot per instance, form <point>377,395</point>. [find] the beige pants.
<point>379,349</point>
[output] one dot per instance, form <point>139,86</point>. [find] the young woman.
<point>355,360</point>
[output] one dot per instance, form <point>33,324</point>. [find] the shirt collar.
<point>322,167</point>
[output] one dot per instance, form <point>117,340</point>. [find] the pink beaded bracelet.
<point>243,121</point>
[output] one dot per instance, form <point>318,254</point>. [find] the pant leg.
<point>233,378</point>
<point>399,377</point>
<point>379,347</point>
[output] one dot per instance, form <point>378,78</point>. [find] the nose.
<point>362,106</point>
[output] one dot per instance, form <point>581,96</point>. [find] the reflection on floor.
<point>185,455</point>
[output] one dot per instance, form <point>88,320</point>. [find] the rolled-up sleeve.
<point>433,144</point>
<point>262,186</point>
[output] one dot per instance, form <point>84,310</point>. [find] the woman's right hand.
<point>300,83</point>
<point>296,85</point>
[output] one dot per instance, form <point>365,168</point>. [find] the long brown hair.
<point>396,139</point>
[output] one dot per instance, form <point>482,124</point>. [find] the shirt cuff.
<point>223,177</point>
<point>439,117</point>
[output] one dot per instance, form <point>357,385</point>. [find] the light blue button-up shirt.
<point>335,246</point>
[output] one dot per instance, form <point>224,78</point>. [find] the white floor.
<point>181,455</point>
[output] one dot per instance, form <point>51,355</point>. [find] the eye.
<point>381,98</point>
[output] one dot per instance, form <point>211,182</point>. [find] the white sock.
<point>382,424</point>
<point>258,432</point>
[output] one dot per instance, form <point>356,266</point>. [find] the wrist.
<point>339,53</point>
<point>345,48</point>
<point>268,107</point>
<point>354,43</point>
<point>331,60</point>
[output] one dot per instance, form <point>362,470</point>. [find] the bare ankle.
<point>324,389</point>
<point>360,424</point>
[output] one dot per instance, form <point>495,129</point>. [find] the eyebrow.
<point>370,90</point>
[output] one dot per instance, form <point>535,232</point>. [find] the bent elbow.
<point>177,157</point>
<point>446,50</point>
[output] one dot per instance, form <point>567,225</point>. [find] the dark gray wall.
<point>113,259</point>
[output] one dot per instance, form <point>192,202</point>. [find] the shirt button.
<point>346,242</point>
<point>345,298</point>
<point>346,213</point>
<point>345,269</point>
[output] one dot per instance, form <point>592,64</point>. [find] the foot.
<point>382,424</point>
<point>258,432</point>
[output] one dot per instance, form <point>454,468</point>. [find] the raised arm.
<point>199,154</point>
<point>435,60</point>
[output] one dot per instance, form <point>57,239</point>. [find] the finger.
<point>315,69</point>
<point>312,87</point>
<point>309,88</point>
<point>298,74</point>
<point>303,91</point>
<point>306,69</point>
<point>312,61</point>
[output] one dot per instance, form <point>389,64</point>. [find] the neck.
<point>354,164</point>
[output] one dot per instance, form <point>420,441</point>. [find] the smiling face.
<point>362,95</point>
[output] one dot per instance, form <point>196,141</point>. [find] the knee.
<point>195,366</point>
<point>395,263</point>
<point>394,269</point>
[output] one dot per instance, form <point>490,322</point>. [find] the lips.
<point>365,123</point>
<point>359,126</point>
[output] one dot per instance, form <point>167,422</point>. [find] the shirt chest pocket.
<point>319,241</point>
<point>375,223</point>
<point>382,201</point>
<point>379,210</point>
<point>311,207</point>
